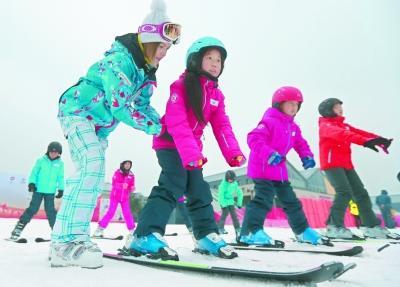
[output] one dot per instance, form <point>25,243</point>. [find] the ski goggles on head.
<point>170,32</point>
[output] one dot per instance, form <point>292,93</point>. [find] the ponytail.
<point>195,94</point>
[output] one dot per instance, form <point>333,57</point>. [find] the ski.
<point>119,237</point>
<point>355,238</point>
<point>352,251</point>
<point>19,240</point>
<point>40,240</point>
<point>367,240</point>
<point>324,272</point>
<point>171,234</point>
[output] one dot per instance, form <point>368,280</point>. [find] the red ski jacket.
<point>335,138</point>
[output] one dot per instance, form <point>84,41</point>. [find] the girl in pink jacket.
<point>123,184</point>
<point>195,100</point>
<point>275,135</point>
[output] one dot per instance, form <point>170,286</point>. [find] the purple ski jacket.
<point>276,132</point>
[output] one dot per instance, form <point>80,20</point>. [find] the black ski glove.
<point>378,141</point>
<point>32,187</point>
<point>59,193</point>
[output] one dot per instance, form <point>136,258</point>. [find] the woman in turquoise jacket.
<point>226,198</point>
<point>115,89</point>
<point>46,178</point>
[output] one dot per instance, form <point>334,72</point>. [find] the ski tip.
<point>345,268</point>
<point>383,247</point>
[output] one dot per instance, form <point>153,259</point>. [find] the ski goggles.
<point>170,32</point>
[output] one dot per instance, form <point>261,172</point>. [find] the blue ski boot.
<point>260,237</point>
<point>153,246</point>
<point>215,245</point>
<point>311,236</point>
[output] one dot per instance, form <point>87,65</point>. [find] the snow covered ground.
<point>27,264</point>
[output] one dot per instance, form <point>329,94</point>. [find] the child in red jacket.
<point>335,138</point>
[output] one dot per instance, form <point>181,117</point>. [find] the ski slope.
<point>27,264</point>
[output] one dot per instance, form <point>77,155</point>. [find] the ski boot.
<point>99,232</point>
<point>311,236</point>
<point>85,254</point>
<point>153,246</point>
<point>215,245</point>
<point>380,232</point>
<point>260,238</point>
<point>16,233</point>
<point>338,232</point>
<point>222,231</point>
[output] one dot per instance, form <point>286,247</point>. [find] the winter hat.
<point>158,15</point>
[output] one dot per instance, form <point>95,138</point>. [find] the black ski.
<point>119,237</point>
<point>352,251</point>
<point>40,240</point>
<point>324,272</point>
<point>367,240</point>
<point>171,234</point>
<point>19,240</point>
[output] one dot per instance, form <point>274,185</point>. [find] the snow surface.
<point>27,264</point>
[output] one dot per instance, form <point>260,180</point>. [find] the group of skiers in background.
<point>118,88</point>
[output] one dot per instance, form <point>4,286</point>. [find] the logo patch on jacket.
<point>293,133</point>
<point>173,98</point>
<point>214,102</point>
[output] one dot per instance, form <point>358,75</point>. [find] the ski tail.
<point>40,240</point>
<point>19,240</point>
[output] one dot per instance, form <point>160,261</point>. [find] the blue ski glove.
<point>308,162</point>
<point>275,159</point>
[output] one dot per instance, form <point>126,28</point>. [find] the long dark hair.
<point>194,93</point>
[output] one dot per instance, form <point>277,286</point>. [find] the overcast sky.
<point>332,48</point>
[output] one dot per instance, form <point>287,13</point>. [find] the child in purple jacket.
<point>275,135</point>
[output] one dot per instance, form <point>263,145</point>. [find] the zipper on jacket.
<point>281,173</point>
<point>289,137</point>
